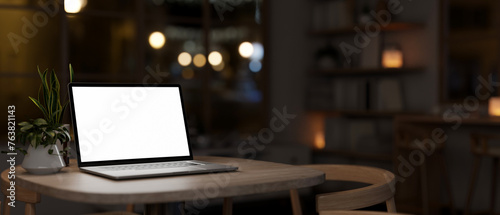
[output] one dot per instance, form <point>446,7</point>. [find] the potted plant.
<point>46,137</point>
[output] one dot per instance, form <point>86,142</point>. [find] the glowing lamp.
<point>319,140</point>
<point>74,6</point>
<point>494,106</point>
<point>392,57</point>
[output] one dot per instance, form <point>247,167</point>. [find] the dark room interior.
<point>402,90</point>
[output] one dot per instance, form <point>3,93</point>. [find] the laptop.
<point>126,131</point>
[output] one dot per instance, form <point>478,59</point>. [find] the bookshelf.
<point>357,96</point>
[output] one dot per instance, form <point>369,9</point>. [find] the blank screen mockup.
<point>117,123</point>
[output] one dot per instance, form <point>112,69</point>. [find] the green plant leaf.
<point>51,133</point>
<point>40,106</point>
<point>34,140</point>
<point>26,127</point>
<point>51,151</point>
<point>23,123</point>
<point>40,122</point>
<point>45,85</point>
<point>71,73</point>
<point>22,150</point>
<point>55,97</point>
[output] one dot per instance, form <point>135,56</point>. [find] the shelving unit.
<point>326,82</point>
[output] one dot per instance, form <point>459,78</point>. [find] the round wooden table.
<point>252,177</point>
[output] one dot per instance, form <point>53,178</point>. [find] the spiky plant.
<point>49,96</point>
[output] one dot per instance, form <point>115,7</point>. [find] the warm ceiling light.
<point>157,40</point>
<point>74,6</point>
<point>184,59</point>
<point>215,58</point>
<point>246,49</point>
<point>199,60</point>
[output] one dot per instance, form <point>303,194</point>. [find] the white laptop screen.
<point>120,122</point>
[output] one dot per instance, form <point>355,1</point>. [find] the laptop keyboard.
<point>150,166</point>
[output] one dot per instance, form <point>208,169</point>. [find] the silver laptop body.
<point>125,131</point>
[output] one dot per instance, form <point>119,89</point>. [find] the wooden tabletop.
<point>252,177</point>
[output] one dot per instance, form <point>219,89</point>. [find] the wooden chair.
<point>115,213</point>
<point>381,189</point>
<point>406,135</point>
<point>481,146</point>
<point>31,198</point>
<point>360,213</point>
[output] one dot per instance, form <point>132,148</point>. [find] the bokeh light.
<point>255,66</point>
<point>74,6</point>
<point>258,51</point>
<point>215,58</point>
<point>199,60</point>
<point>219,67</point>
<point>184,59</point>
<point>246,49</point>
<point>157,40</point>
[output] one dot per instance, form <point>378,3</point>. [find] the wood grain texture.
<point>359,213</point>
<point>295,199</point>
<point>22,194</point>
<point>381,188</point>
<point>114,213</point>
<point>253,177</point>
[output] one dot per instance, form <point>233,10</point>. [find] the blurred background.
<point>348,70</point>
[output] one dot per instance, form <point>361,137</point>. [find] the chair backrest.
<point>22,195</point>
<point>360,213</point>
<point>381,188</point>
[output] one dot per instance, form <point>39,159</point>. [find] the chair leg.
<point>227,207</point>
<point>294,197</point>
<point>493,185</point>
<point>424,188</point>
<point>475,169</point>
<point>391,205</point>
<point>29,209</point>
<point>6,207</point>
<point>448,183</point>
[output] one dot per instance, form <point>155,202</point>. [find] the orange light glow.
<point>392,58</point>
<point>319,140</point>
<point>494,106</point>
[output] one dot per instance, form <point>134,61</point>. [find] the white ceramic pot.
<point>39,161</point>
